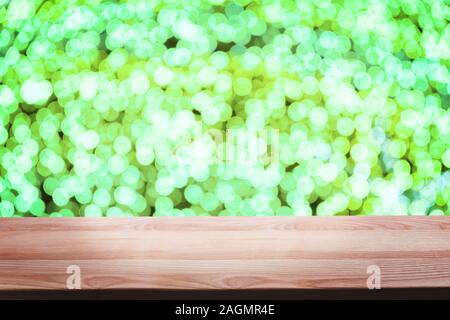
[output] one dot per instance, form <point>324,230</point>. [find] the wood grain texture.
<point>225,253</point>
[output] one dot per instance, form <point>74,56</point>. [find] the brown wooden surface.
<point>225,253</point>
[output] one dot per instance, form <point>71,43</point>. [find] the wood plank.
<point>225,253</point>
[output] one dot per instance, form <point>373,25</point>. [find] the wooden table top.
<point>224,253</point>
